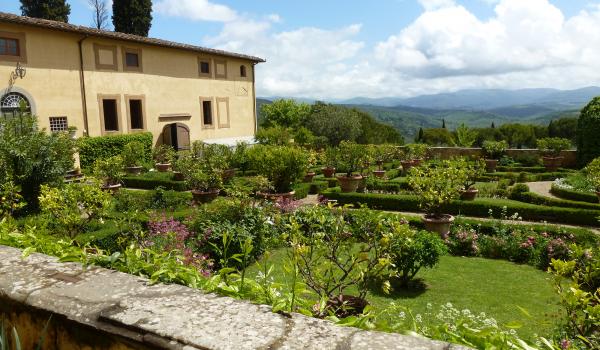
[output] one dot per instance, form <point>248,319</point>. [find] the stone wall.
<point>95,308</point>
<point>569,161</point>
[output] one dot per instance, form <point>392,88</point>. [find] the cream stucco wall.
<point>169,83</point>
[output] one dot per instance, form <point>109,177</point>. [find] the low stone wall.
<point>569,161</point>
<point>102,309</point>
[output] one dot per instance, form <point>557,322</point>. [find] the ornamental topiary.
<point>588,129</point>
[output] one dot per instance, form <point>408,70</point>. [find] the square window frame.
<point>100,66</point>
<point>138,52</point>
<point>217,75</point>
<point>226,101</point>
<point>22,45</point>
<point>66,122</point>
<point>211,67</point>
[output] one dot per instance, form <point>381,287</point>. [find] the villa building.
<point>106,83</point>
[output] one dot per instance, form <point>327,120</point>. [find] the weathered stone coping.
<point>106,309</point>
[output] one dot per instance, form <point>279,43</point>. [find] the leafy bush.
<point>211,156</point>
<point>30,157</point>
<point>350,157</point>
<point>282,165</point>
<point>284,112</point>
<point>133,154</point>
<point>465,137</point>
<point>494,149</point>
<point>153,180</point>
<point>437,185</point>
<point>204,180</point>
<point>417,150</point>
<point>570,194</point>
<point>10,199</point>
<point>102,147</point>
<point>588,129</point>
<point>109,170</point>
<point>592,171</point>
<point>163,154</point>
<point>274,135</point>
<point>552,146</point>
<point>73,207</point>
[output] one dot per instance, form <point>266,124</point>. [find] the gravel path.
<point>542,188</point>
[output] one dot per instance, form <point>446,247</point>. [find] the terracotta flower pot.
<point>362,185</point>
<point>491,165</point>
<point>417,161</point>
<point>328,172</point>
<point>349,184</point>
<point>163,167</point>
<point>134,170</point>
<point>552,163</point>
<point>309,176</point>
<point>178,176</point>
<point>275,197</point>
<point>205,197</point>
<point>111,188</point>
<point>379,173</point>
<point>406,165</point>
<point>469,195</point>
<point>439,225</point>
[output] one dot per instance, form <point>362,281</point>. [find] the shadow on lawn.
<point>412,290</point>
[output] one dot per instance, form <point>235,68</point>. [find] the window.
<point>223,112</point>
<point>58,124</point>
<point>9,47</point>
<point>207,113</point>
<point>204,69</point>
<point>132,59</point>
<point>221,69</point>
<point>11,103</point>
<point>12,47</point>
<point>110,115</point>
<point>136,114</point>
<point>243,72</point>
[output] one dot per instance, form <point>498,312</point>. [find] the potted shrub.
<point>493,150</point>
<point>351,156</point>
<point>182,164</point>
<point>592,171</point>
<point>436,186</point>
<point>312,161</point>
<point>382,154</point>
<point>406,161</point>
<point>214,156</point>
<point>281,165</point>
<point>551,147</point>
<point>239,157</point>
<point>417,152</point>
<point>473,171</point>
<point>204,183</point>
<point>329,158</point>
<point>163,156</point>
<point>110,172</point>
<point>133,155</point>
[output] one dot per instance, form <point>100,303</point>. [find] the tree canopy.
<point>132,16</point>
<point>55,10</point>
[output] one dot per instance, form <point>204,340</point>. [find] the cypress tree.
<point>493,125</point>
<point>443,123</point>
<point>132,16</point>
<point>55,10</point>
<point>420,137</point>
<point>551,131</point>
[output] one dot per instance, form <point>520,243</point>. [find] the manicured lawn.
<point>495,287</point>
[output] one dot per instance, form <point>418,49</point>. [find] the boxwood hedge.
<point>574,195</point>
<point>479,208</point>
<point>102,147</point>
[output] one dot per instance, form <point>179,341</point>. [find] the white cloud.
<point>431,5</point>
<point>202,10</point>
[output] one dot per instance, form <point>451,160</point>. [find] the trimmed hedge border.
<point>479,208</point>
<point>102,147</point>
<point>143,183</point>
<point>317,187</point>
<point>574,195</point>
<point>534,198</point>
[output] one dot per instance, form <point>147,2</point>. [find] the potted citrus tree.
<point>133,156</point>
<point>281,165</point>
<point>382,154</point>
<point>551,147</point>
<point>417,152</point>
<point>493,151</point>
<point>329,158</point>
<point>182,164</point>
<point>592,171</point>
<point>205,184</point>
<point>163,156</point>
<point>351,156</point>
<point>436,185</point>
<point>473,171</point>
<point>312,161</point>
<point>110,172</point>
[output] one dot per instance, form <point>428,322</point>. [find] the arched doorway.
<point>176,135</point>
<point>11,102</point>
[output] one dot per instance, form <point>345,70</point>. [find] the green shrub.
<point>592,172</point>
<point>163,154</point>
<point>552,146</point>
<point>31,157</point>
<point>274,135</point>
<point>317,187</point>
<point>588,129</point>
<point>494,149</point>
<point>302,190</point>
<point>282,165</point>
<point>153,180</point>
<point>102,147</point>
<point>533,198</point>
<point>351,157</point>
<point>133,154</point>
<point>109,170</point>
<point>204,180</point>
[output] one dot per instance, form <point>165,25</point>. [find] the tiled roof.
<point>66,27</point>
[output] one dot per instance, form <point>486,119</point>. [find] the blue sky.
<point>339,49</point>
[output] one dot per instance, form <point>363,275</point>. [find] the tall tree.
<point>443,123</point>
<point>493,125</point>
<point>100,11</point>
<point>132,16</point>
<point>55,10</point>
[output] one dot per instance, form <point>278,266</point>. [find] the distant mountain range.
<point>475,108</point>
